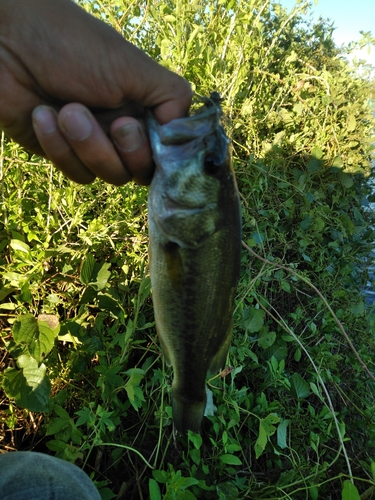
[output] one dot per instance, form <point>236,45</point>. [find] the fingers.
<point>133,147</point>
<point>179,101</point>
<point>55,146</point>
<point>77,145</point>
<point>143,80</point>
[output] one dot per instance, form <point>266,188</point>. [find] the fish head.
<point>192,164</point>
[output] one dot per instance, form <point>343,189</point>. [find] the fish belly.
<point>193,296</point>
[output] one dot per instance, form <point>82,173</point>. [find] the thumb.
<point>148,83</point>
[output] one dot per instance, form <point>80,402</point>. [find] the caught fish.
<point>195,247</point>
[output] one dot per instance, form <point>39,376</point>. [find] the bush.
<point>84,377</point>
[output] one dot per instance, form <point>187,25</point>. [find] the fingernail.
<point>77,125</point>
<point>44,119</point>
<point>129,137</point>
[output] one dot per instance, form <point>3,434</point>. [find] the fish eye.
<point>211,166</point>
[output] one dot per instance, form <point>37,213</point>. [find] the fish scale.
<point>195,251</point>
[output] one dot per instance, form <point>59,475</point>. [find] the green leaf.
<point>253,319</point>
<point>261,441</point>
<point>161,476</point>
<point>372,466</point>
<point>266,339</point>
<point>316,152</point>
<point>106,493</point>
<point>257,238</point>
<point>37,334</point>
<point>85,416</point>
<point>232,447</point>
<point>347,223</point>
<point>184,495</point>
<point>134,392</point>
<point>49,328</point>
<point>227,491</point>
<point>282,433</point>
<point>103,276</point>
<point>169,18</point>
<point>268,422</point>
<point>25,329</point>
<point>315,390</point>
<point>314,165</point>
<point>266,429</point>
<point>9,306</point>
<point>229,459</point>
<point>56,445</point>
<point>337,162</point>
<point>195,455</point>
<point>358,308</point>
<point>144,290</point>
<point>19,246</point>
<point>107,303</point>
<point>195,438</point>
<point>300,386</point>
<point>346,179</point>
<point>4,292</point>
<point>87,269</point>
<point>62,421</point>
<point>349,491</point>
<point>285,286</point>
<point>15,279</point>
<point>314,493</point>
<point>351,123</point>
<point>297,354</point>
<point>185,482</point>
<point>29,386</point>
<point>56,425</point>
<point>154,490</point>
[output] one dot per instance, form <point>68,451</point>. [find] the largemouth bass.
<point>195,249</point>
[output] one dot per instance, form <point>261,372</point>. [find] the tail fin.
<point>187,413</point>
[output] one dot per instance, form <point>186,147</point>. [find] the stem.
<point>130,449</point>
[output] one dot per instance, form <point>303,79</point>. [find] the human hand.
<point>74,91</point>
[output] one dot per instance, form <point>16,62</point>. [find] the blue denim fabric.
<point>27,475</point>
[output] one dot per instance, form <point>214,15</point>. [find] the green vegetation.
<point>82,375</point>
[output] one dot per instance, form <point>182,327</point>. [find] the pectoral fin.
<point>174,266</point>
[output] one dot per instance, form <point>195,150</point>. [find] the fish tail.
<point>187,413</point>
